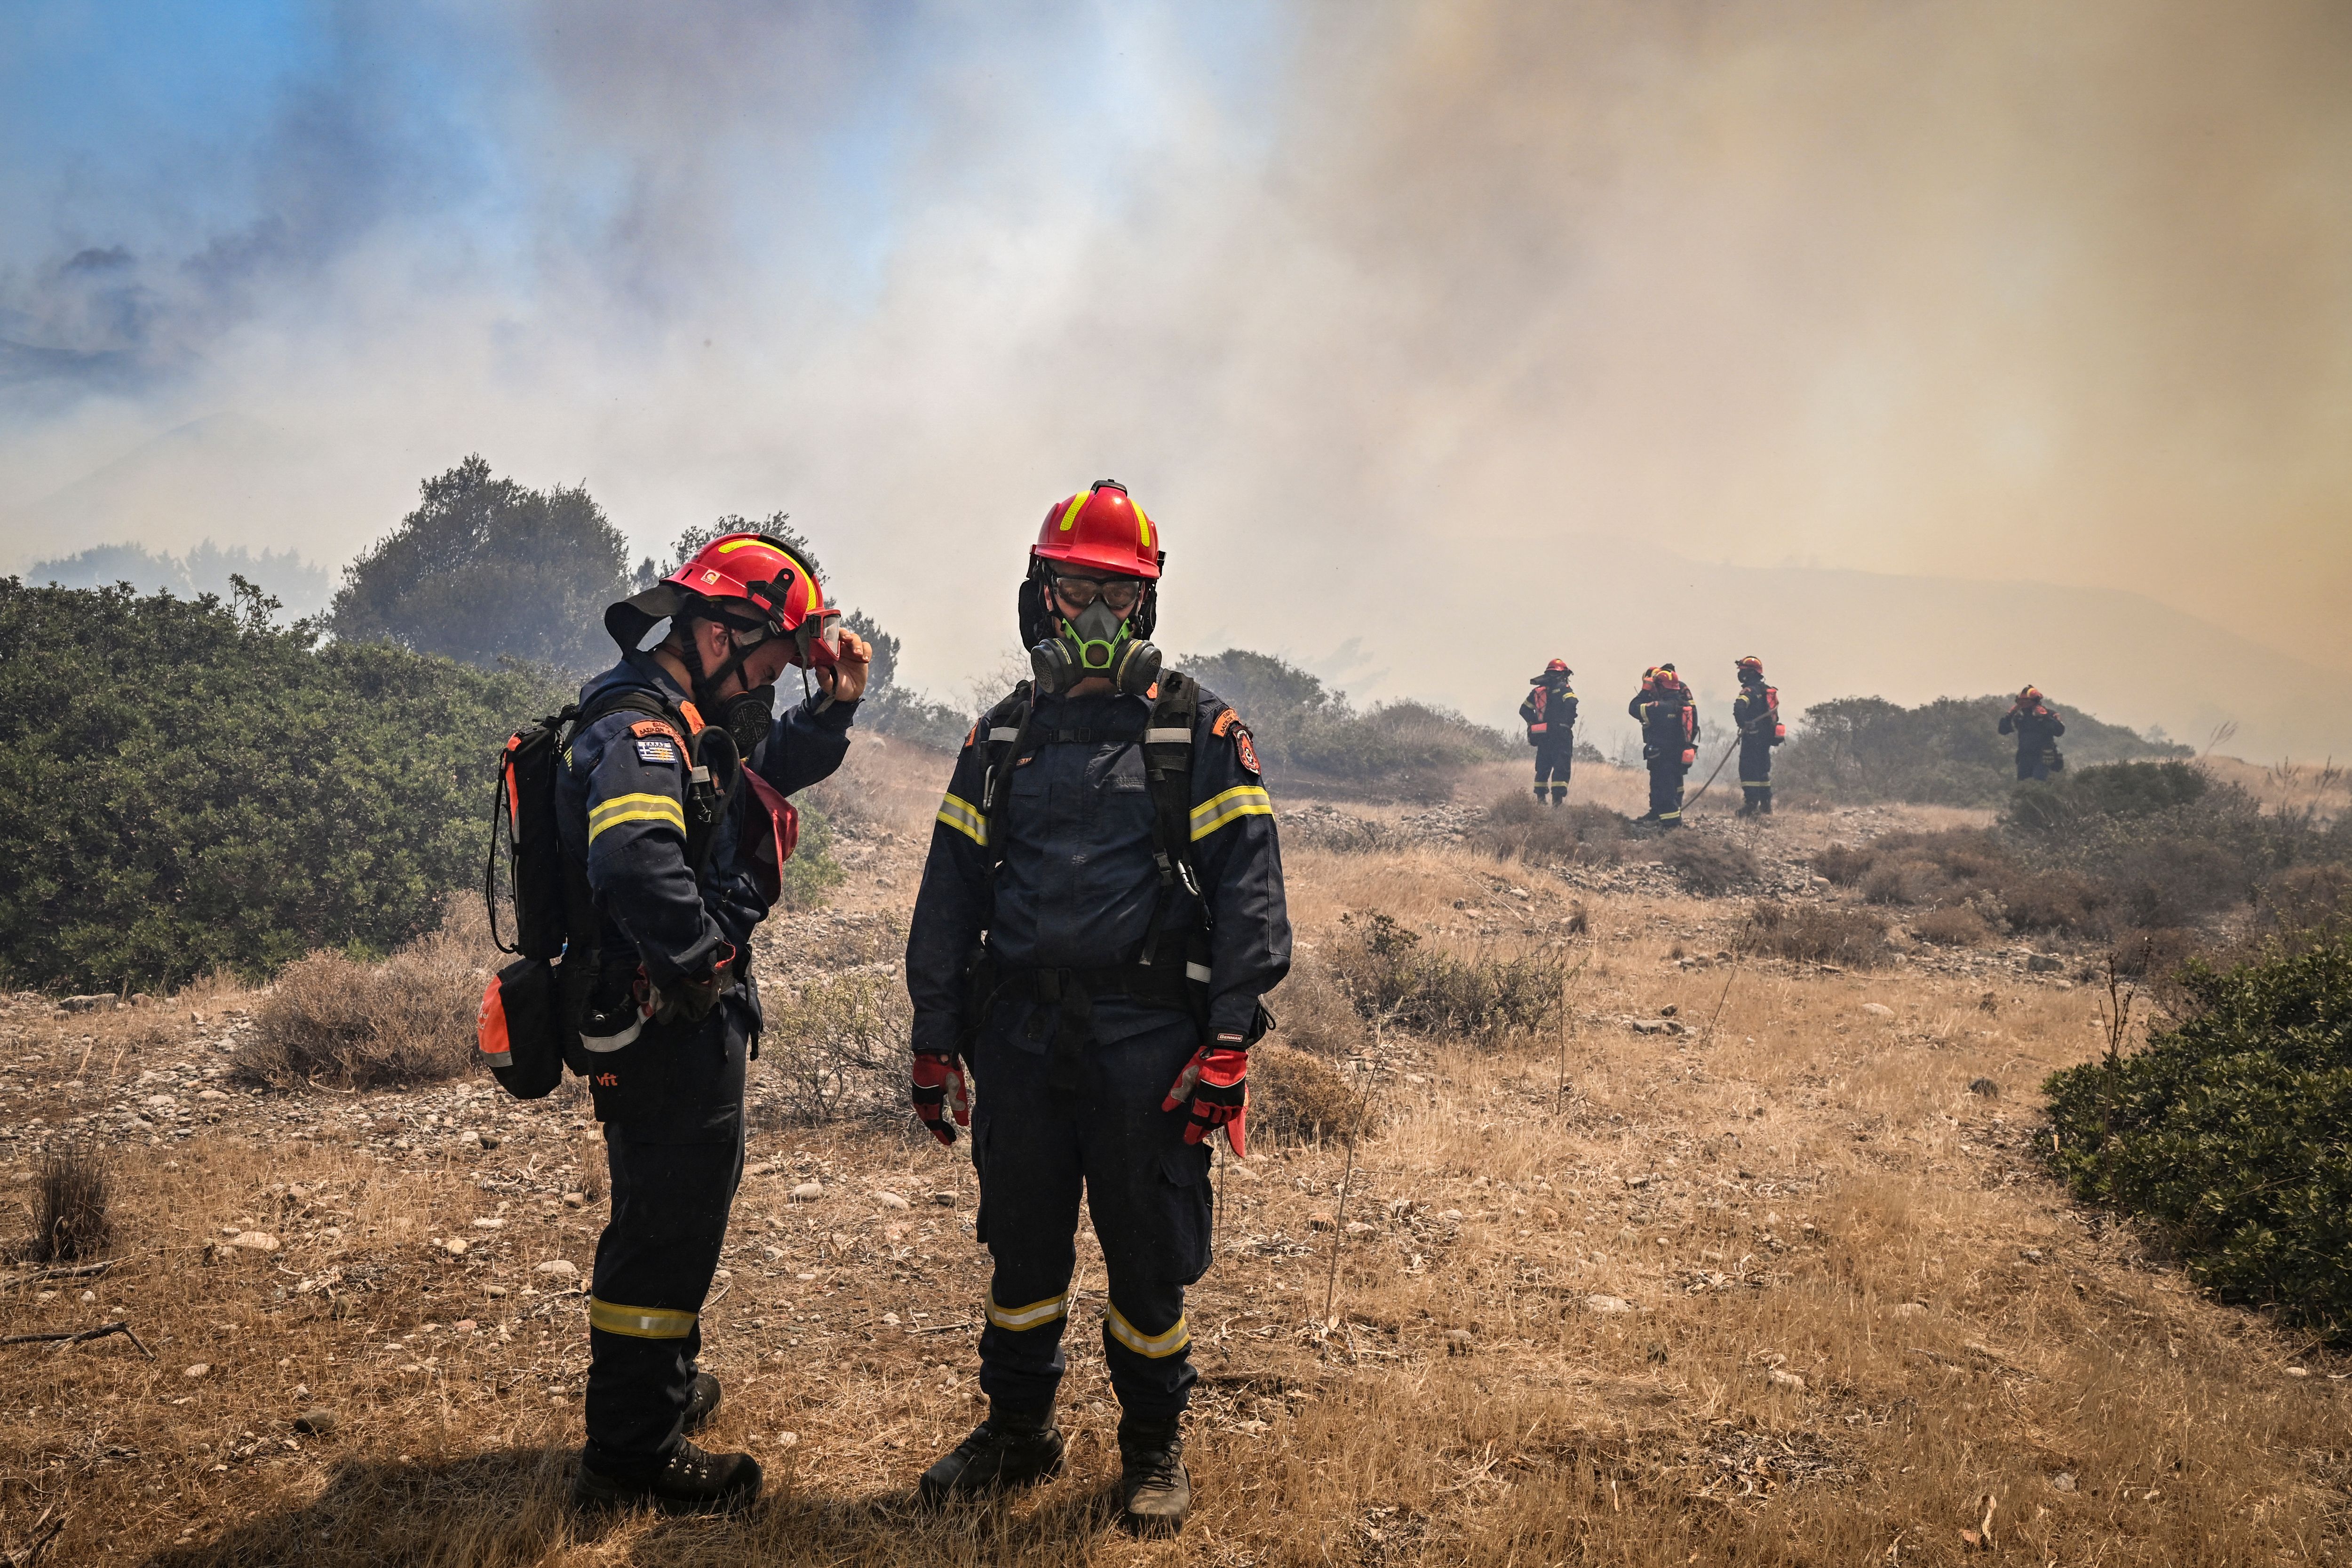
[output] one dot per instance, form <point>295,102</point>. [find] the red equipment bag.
<point>520,1028</point>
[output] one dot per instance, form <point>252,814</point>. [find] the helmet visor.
<point>817,640</point>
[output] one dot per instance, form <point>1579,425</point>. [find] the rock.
<point>1788,1380</point>
<point>1669,1010</point>
<point>198,1370</point>
<point>575,1200</point>
<point>490,1224</point>
<point>1878,1009</point>
<point>1459,1341</point>
<point>317,1422</point>
<point>255,1240</point>
<point>1637,1181</point>
<point>462,1326</point>
<point>2042,964</point>
<point>808,1191</point>
<point>487,1139</point>
<point>891,1200</point>
<point>1985,1087</point>
<point>454,1246</point>
<point>2298,1372</point>
<point>494,1291</point>
<point>1451,1216</point>
<point>1607,1304</point>
<point>84,1004</point>
<point>1358,1227</point>
<point>2063,1481</point>
<point>1648,1026</point>
<point>891,1319</point>
<point>210,1094</point>
<point>945,1200</point>
<point>558,1269</point>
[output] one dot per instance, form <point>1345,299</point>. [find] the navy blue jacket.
<point>621,795</point>
<point>1079,882</point>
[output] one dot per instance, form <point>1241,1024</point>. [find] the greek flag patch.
<point>655,750</point>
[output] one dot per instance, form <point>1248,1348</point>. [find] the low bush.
<point>1307,734</point>
<point>2228,1133</point>
<point>72,1195</point>
<point>1707,866</point>
<point>1843,863</point>
<point>1297,1099</point>
<point>1956,925</point>
<point>1386,972</point>
<point>336,1019</point>
<point>1949,751</point>
<point>1314,1015</point>
<point>1518,828</point>
<point>837,1047</point>
<point>1817,933</point>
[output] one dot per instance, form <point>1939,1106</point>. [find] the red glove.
<point>1214,1081</point>
<point>932,1075</point>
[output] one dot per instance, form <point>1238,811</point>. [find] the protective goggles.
<point>817,641</point>
<point>1120,595</point>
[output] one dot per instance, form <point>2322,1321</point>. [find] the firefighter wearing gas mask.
<point>670,802</point>
<point>1101,911</point>
<point>1757,712</point>
<point>2037,728</point>
<point>1549,714</point>
<point>1669,722</point>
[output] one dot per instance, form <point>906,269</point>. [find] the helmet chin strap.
<point>707,681</point>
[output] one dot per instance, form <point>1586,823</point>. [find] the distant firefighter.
<point>1756,712</point>
<point>1549,714</point>
<point>2037,728</point>
<point>1669,722</point>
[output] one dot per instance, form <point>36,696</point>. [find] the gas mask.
<point>746,716</point>
<point>1099,641</point>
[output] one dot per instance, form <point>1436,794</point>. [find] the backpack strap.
<point>1004,730</point>
<point>1168,774</point>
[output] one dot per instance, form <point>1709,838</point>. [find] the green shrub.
<point>1305,732</point>
<point>1384,970</point>
<point>185,786</point>
<point>1949,751</point>
<point>812,871</point>
<point>2228,1133</point>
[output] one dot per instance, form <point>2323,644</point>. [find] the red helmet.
<point>2030,694</point>
<point>1556,667</point>
<point>752,572</point>
<point>1752,665</point>
<point>1102,527</point>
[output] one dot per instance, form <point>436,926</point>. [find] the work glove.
<point>932,1074</point>
<point>1214,1081</point>
<point>692,997</point>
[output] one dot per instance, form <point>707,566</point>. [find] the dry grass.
<point>1853,1309</point>
<point>1817,933</point>
<point>334,1019</point>
<point>1296,1098</point>
<point>71,1188</point>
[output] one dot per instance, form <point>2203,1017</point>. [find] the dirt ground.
<point>1751,1262</point>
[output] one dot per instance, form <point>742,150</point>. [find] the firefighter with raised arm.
<point>1100,913</point>
<point>670,799</point>
<point>1757,713</point>
<point>2037,728</point>
<point>1549,714</point>
<point>1669,722</point>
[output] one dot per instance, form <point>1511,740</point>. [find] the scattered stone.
<point>575,1200</point>
<point>1878,1009</point>
<point>1790,1380</point>
<point>255,1241</point>
<point>315,1423</point>
<point>1669,1010</point>
<point>494,1291</point>
<point>1358,1227</point>
<point>808,1191</point>
<point>945,1200</point>
<point>488,1223</point>
<point>891,1200</point>
<point>2063,1481</point>
<point>2042,964</point>
<point>2298,1372</point>
<point>1459,1341</point>
<point>462,1326</point>
<point>891,1319</point>
<point>198,1370</point>
<point>1637,1181</point>
<point>210,1094</point>
<point>1608,1304</point>
<point>1984,1086</point>
<point>84,1004</point>
<point>487,1139</point>
<point>1451,1216</point>
<point>559,1269</point>
<point>454,1246</point>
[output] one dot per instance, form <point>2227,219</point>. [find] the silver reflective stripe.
<point>1199,972</point>
<point>614,1042</point>
<point>1167,737</point>
<point>1005,734</point>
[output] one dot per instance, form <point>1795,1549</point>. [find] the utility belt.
<point>1176,978</point>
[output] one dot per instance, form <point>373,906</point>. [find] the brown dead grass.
<point>1796,1186</point>
<point>334,1019</point>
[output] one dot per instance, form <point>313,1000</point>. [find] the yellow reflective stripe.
<point>1242,800</point>
<point>1070,517</point>
<point>1030,1316</point>
<point>624,809</point>
<point>964,817</point>
<point>639,1322</point>
<point>1142,523</point>
<point>1143,1344</point>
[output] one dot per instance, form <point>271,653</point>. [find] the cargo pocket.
<point>1189,1201</point>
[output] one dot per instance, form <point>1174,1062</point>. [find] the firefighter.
<point>1549,714</point>
<point>1101,911</point>
<point>1669,722</point>
<point>681,865</point>
<point>2037,728</point>
<point>1757,713</point>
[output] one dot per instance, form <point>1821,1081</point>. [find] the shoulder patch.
<point>645,727</point>
<point>1242,747</point>
<point>1225,721</point>
<point>969,736</point>
<point>656,749</point>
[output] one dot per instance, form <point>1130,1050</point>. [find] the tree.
<point>485,570</point>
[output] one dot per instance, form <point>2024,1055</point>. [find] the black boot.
<point>1155,1490</point>
<point>1011,1449</point>
<point>692,1482</point>
<point>701,1402</point>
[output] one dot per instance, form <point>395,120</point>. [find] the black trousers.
<point>1666,786</point>
<point>1552,760</point>
<point>2033,764</point>
<point>1146,1190</point>
<point>674,1175</point>
<point>1756,771</point>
